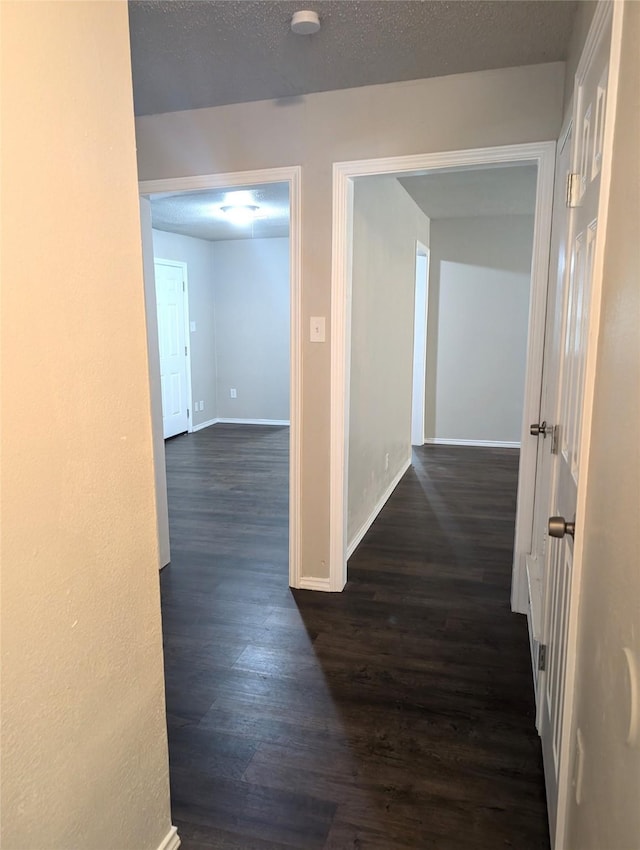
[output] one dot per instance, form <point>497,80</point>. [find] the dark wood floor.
<point>398,714</point>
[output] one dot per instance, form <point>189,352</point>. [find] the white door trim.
<point>422,322</point>
<point>541,154</point>
<point>178,264</point>
<point>292,176</point>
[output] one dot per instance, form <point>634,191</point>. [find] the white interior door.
<point>420,345</point>
<point>170,294</point>
<point>563,553</point>
<point>544,430</point>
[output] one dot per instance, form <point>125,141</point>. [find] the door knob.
<point>558,527</point>
<point>537,428</point>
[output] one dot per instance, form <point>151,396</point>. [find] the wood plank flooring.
<point>398,714</point>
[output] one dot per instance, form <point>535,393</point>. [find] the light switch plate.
<point>317,329</point>
<point>192,327</point>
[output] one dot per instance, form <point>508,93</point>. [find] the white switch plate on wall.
<point>192,327</point>
<point>317,329</point>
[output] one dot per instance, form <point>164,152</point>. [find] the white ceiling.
<point>188,55</point>
<point>198,214</point>
<point>509,190</point>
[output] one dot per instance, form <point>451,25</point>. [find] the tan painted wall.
<point>84,753</point>
<point>609,814</point>
<point>420,116</point>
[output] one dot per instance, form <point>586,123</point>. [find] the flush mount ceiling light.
<point>240,214</point>
<point>305,23</point>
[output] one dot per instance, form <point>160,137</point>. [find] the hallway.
<point>398,714</point>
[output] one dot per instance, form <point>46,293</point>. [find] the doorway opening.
<point>351,516</point>
<point>222,272</point>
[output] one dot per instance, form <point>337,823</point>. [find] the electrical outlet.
<point>201,405</point>
<point>386,461</point>
<point>233,392</point>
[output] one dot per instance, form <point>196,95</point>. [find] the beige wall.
<point>609,815</point>
<point>420,116</point>
<point>84,752</point>
<point>387,223</point>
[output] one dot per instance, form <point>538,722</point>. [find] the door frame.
<point>185,313</point>
<point>291,175</point>
<point>421,251</point>
<point>541,154</point>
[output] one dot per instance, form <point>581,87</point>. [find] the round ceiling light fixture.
<point>305,23</point>
<point>240,214</point>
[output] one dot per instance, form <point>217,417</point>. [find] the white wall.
<point>420,116</point>
<point>84,747</point>
<point>477,335</point>
<point>198,255</point>
<point>609,815</point>
<point>252,327</point>
<point>386,225</point>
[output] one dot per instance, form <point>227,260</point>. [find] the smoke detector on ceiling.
<point>305,23</point>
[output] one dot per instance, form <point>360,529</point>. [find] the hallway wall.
<point>84,742</point>
<point>387,222</point>
<point>496,107</point>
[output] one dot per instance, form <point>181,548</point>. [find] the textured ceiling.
<point>198,213</point>
<point>188,55</point>
<point>487,191</point>
<point>452,194</point>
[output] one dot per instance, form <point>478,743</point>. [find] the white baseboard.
<point>253,421</point>
<point>171,841</point>
<point>366,525</point>
<point>495,444</point>
<point>205,424</point>
<point>310,583</point>
<point>222,420</point>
